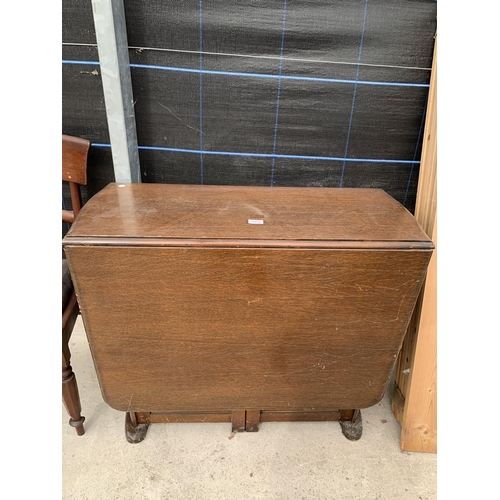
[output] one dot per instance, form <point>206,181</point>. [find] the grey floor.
<point>204,461</point>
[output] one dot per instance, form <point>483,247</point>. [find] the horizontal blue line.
<point>93,63</point>
<point>261,75</point>
<point>264,155</point>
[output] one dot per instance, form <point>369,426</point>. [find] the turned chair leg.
<point>71,397</point>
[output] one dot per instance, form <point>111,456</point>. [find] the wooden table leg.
<point>352,429</point>
<point>134,432</point>
<point>71,397</point>
<point>238,420</point>
<point>252,420</point>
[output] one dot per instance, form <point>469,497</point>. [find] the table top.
<point>167,214</point>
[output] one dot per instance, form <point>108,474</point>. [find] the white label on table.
<point>255,221</point>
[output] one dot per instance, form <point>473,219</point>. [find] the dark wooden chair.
<point>74,171</point>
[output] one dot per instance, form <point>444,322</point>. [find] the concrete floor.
<point>298,460</point>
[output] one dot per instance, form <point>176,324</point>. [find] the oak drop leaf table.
<point>244,304</point>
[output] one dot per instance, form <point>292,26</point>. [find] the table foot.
<point>134,433</point>
<point>352,429</point>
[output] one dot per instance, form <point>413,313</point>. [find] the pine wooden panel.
<point>414,398</point>
<point>419,428</point>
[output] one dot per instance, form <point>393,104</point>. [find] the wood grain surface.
<point>189,308</point>
<point>419,425</point>
<point>190,212</point>
<point>200,329</point>
<point>74,159</point>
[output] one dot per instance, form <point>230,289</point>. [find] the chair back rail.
<point>74,171</point>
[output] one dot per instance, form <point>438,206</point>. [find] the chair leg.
<point>71,397</point>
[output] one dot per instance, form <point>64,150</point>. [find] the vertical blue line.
<point>354,94</point>
<point>201,94</point>
<point>279,90</point>
<point>415,153</point>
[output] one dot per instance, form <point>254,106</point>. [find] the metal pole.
<point>112,44</point>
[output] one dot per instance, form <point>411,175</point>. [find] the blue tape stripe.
<point>262,75</point>
<point>354,94</point>
<point>92,63</point>
<point>279,91</point>
<point>264,155</point>
<point>415,153</point>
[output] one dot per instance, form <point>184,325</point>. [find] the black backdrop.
<point>285,93</point>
